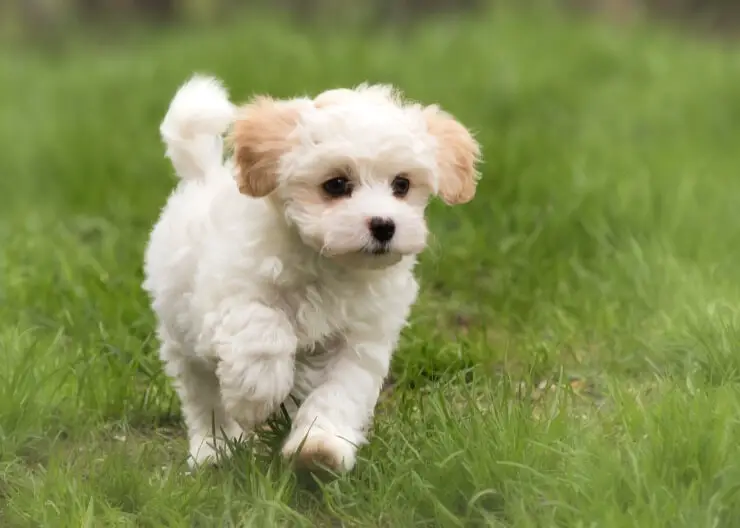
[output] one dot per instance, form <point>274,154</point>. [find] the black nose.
<point>382,228</point>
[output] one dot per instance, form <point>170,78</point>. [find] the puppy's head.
<point>353,170</point>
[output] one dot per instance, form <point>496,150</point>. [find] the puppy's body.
<point>279,290</point>
<point>211,244</point>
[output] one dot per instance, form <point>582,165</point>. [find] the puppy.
<point>283,272</point>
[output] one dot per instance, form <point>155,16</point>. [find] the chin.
<point>369,260</point>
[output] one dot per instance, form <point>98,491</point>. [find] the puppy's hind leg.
<point>209,427</point>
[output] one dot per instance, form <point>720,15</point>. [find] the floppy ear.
<point>259,138</point>
<point>457,156</point>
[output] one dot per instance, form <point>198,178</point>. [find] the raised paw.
<point>252,391</point>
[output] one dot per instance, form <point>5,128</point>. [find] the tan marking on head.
<point>457,156</point>
<point>260,138</point>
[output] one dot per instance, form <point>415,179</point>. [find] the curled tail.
<point>197,117</point>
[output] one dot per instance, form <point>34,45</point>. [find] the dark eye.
<point>400,186</point>
<point>337,187</point>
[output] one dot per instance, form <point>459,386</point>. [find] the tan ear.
<point>457,157</point>
<point>259,138</point>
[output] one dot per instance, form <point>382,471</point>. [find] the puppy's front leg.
<point>331,422</point>
<point>256,348</point>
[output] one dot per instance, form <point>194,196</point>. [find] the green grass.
<point>601,251</point>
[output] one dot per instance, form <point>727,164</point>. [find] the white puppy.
<point>286,270</point>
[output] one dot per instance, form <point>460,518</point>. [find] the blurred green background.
<point>48,22</point>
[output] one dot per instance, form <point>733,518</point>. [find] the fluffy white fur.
<point>265,287</point>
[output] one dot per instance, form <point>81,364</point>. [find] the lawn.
<point>573,359</point>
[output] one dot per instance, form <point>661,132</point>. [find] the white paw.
<point>203,452</point>
<point>320,449</point>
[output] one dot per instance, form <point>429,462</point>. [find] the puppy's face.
<point>353,170</point>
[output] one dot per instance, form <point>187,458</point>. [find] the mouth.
<point>377,250</point>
